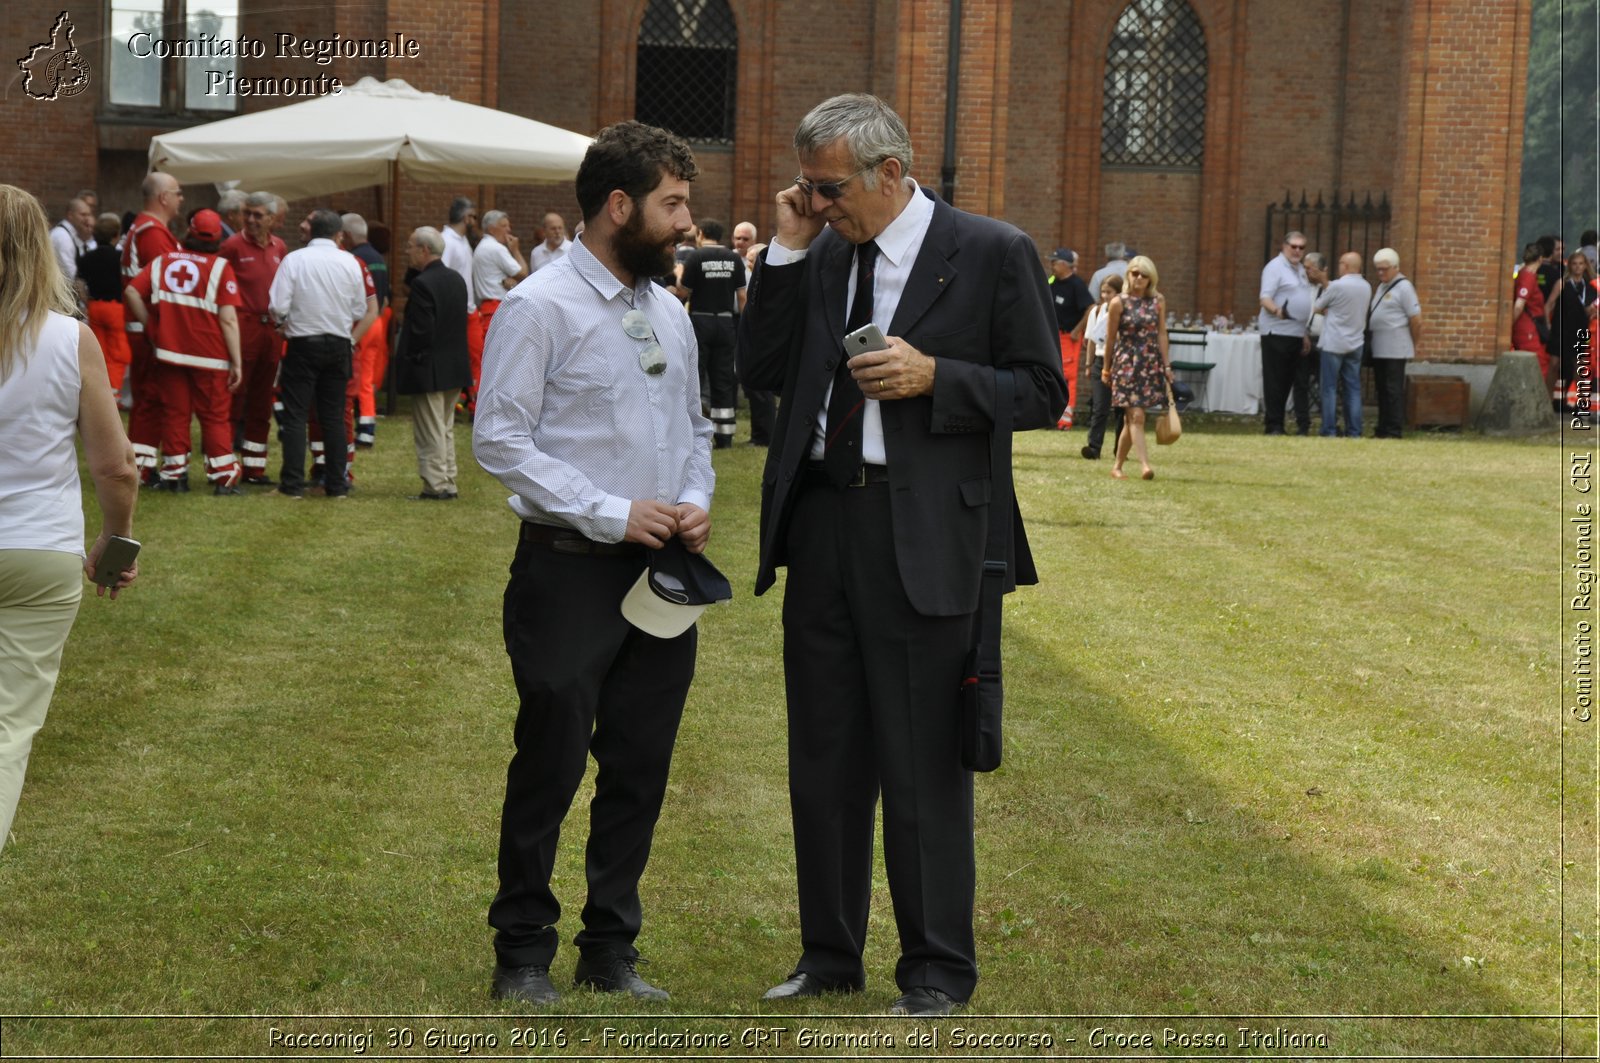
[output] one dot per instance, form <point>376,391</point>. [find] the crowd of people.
<point>1555,301</point>
<point>227,326</point>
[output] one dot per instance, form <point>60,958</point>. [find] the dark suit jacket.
<point>976,299</point>
<point>433,339</point>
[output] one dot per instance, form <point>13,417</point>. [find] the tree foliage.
<point>1560,178</point>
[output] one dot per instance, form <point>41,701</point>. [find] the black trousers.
<point>763,411</point>
<point>873,689</point>
<point>1389,381</point>
<point>1100,407</point>
<point>715,336</point>
<point>589,683</point>
<point>314,369</point>
<point>1284,369</point>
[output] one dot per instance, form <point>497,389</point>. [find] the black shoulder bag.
<point>982,693</point>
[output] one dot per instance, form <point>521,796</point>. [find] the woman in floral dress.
<point>1138,369</point>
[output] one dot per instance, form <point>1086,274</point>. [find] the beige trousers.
<point>39,595</point>
<point>433,427</point>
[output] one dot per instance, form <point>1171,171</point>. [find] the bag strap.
<point>996,550</point>
<point>1385,290</point>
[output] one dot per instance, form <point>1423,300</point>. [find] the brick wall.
<point>49,147</point>
<point>1353,94</point>
<point>1458,175</point>
<point>1157,212</point>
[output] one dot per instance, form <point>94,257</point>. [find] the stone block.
<point>1518,403</point>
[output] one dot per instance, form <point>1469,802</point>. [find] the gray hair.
<point>1116,249</point>
<point>280,206</point>
<point>872,132</point>
<point>429,238</point>
<point>325,224</point>
<point>1388,257</point>
<point>460,207</point>
<point>1314,258</point>
<point>1292,233</point>
<point>490,218</point>
<point>230,201</point>
<point>355,227</point>
<point>264,200</point>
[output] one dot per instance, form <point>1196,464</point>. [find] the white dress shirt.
<point>492,262</point>
<point>64,239</point>
<point>543,255</point>
<point>318,291</point>
<point>1096,328</point>
<point>458,256</point>
<point>567,419</point>
<point>898,245</point>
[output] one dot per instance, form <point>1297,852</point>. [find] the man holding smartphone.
<point>876,498</point>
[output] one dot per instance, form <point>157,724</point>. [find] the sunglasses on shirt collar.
<point>653,360</point>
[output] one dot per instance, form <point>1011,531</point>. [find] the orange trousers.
<point>108,318</point>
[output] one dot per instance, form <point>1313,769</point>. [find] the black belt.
<point>710,313</point>
<point>567,541</point>
<point>867,474</point>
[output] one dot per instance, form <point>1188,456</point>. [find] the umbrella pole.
<point>394,276</point>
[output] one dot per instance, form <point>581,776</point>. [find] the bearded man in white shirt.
<point>589,413</point>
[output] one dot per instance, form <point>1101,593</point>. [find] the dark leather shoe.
<point>433,496</point>
<point>259,481</point>
<point>529,985</point>
<point>924,1001</point>
<point>806,984</point>
<point>616,974</point>
<point>1092,453</point>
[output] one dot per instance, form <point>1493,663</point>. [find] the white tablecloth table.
<point>1234,383</point>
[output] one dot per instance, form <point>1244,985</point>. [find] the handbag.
<point>982,692</point>
<point>1169,429</point>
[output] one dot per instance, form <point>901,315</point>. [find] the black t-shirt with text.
<point>713,275</point>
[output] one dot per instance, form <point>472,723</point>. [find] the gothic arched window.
<point>1155,93</point>
<point>687,67</point>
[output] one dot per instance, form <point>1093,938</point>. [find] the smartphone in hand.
<point>119,554</point>
<point>864,339</point>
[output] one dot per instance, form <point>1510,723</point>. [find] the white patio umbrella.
<point>361,136</point>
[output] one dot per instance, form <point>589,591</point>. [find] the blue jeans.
<point>1341,372</point>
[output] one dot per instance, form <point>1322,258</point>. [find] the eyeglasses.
<point>830,189</point>
<point>653,360</point>
<point>1136,273</point>
<point>256,214</point>
<point>1297,247</point>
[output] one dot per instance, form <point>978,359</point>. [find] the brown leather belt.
<point>567,541</point>
<point>867,474</point>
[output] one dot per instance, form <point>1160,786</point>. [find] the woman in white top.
<point>53,385</point>
<point>1093,326</point>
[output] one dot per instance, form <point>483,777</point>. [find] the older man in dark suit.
<point>432,364</point>
<point>876,496</point>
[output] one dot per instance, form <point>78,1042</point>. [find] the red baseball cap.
<point>206,225</point>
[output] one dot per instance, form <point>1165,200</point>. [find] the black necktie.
<point>841,454</point>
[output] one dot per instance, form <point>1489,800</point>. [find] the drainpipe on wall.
<point>952,71</point>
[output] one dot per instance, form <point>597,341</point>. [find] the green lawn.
<point>1283,739</point>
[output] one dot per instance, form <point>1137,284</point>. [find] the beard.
<point>644,252</point>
